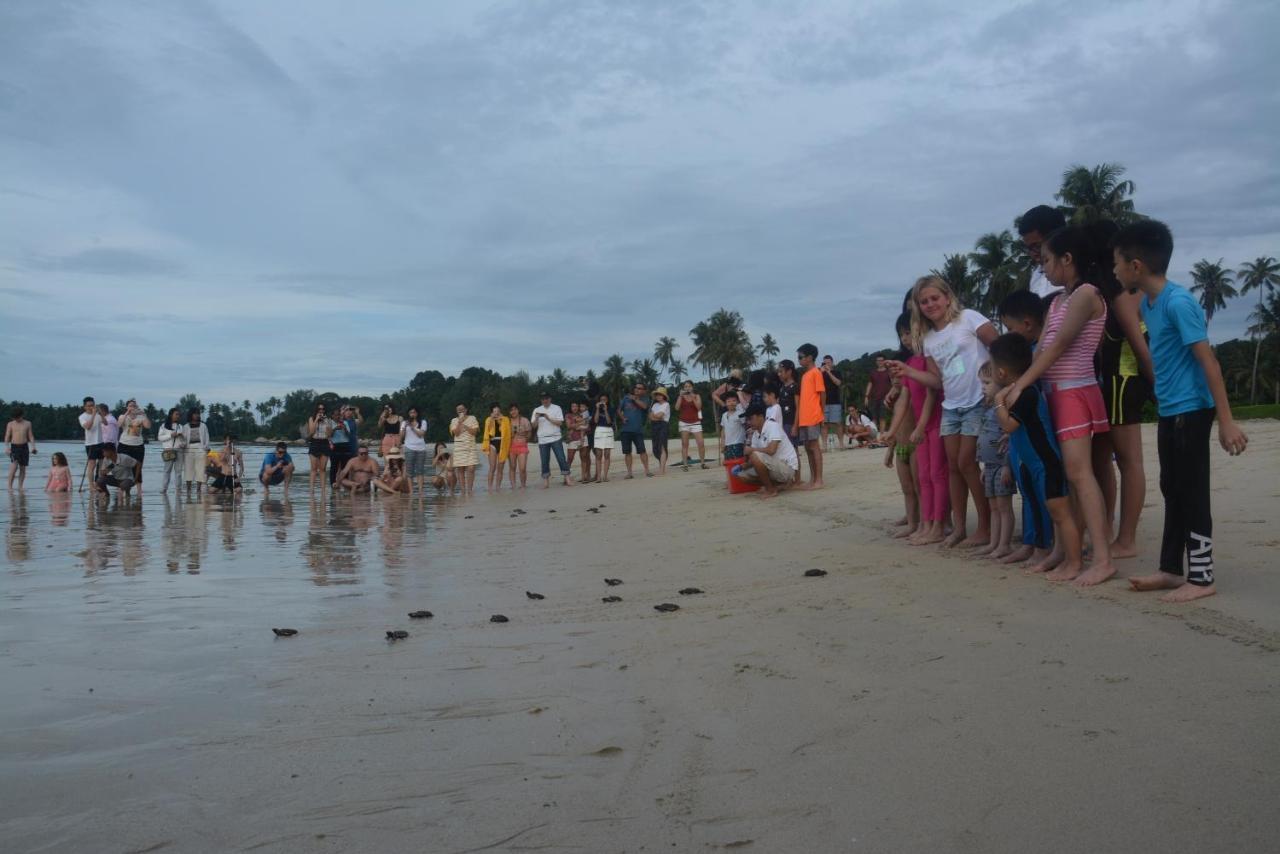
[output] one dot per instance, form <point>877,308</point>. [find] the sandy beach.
<point>911,700</point>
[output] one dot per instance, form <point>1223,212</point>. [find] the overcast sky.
<point>240,199</point>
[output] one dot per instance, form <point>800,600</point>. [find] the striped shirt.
<point>1075,365</point>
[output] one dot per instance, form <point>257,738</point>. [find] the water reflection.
<point>17,539</point>
<point>114,532</point>
<point>230,511</point>
<point>277,517</point>
<point>186,532</point>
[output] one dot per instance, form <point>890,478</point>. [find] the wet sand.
<point>909,701</point>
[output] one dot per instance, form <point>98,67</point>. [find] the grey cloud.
<point>107,261</point>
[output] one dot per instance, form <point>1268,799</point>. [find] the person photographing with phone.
<point>548,418</point>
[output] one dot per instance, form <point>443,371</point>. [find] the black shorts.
<point>630,440</point>
<point>108,480</point>
<point>226,482</point>
<point>20,454</point>
<point>318,447</point>
<point>277,477</point>
<point>94,451</point>
<point>138,452</point>
<point>1125,398</point>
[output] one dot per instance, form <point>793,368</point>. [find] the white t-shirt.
<point>548,432</point>
<point>867,422</point>
<point>771,432</point>
<point>1041,286</point>
<point>412,441</point>
<point>735,428</point>
<point>958,353</point>
<point>660,411</point>
<point>92,424</point>
<point>131,429</point>
<point>774,413</point>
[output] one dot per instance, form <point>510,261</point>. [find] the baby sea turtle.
<point>398,634</point>
<point>468,517</point>
<point>609,599</point>
<point>593,510</point>
<point>814,573</point>
<point>690,591</point>
<point>666,607</point>
<point>613,582</point>
<point>285,633</point>
<point>420,615</point>
<point>551,511</point>
<point>518,510</point>
<point>601,506</point>
<point>534,596</point>
<point>498,618</point>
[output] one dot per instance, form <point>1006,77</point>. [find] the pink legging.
<point>933,476</point>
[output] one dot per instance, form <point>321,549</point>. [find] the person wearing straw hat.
<point>394,479</point>
<point>660,424</point>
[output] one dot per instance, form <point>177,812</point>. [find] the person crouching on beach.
<point>771,461</point>
<point>444,476</point>
<point>230,468</point>
<point>393,480</point>
<point>360,471</point>
<point>277,469</point>
<point>116,470</point>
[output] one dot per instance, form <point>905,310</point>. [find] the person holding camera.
<point>277,469</point>
<point>518,458</point>
<point>463,429</point>
<point>602,430</point>
<point>548,418</point>
<point>689,413</point>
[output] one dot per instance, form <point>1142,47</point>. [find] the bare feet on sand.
<point>926,537</point>
<point>1000,553</point>
<point>1018,555</point>
<point>903,532</point>
<point>1095,574</point>
<point>1066,571</point>
<point>1179,590</point>
<point>979,538</point>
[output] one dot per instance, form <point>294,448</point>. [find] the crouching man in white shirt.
<point>772,459</point>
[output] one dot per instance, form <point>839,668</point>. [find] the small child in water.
<point>59,479</point>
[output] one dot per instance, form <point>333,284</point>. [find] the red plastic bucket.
<point>736,484</point>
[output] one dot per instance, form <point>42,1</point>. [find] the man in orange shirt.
<point>809,408</point>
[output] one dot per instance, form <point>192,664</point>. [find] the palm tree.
<point>1261,274</point>
<point>614,378</point>
<point>768,347</point>
<point>1265,326</point>
<point>645,372</point>
<point>1091,195</point>
<point>677,370</point>
<point>720,342</point>
<point>664,351</point>
<point>994,262</point>
<point>955,272</point>
<point>1213,283</point>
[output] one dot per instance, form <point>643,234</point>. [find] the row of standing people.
<point>1066,385</point>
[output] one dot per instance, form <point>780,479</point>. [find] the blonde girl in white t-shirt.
<point>954,342</point>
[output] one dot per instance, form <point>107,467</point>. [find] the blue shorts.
<point>965,421</point>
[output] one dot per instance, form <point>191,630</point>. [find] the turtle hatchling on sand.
<point>609,599</point>
<point>666,607</point>
<point>420,615</point>
<point>690,591</point>
<point>397,634</point>
<point>285,633</point>
<point>498,618</point>
<point>814,573</point>
<point>613,582</point>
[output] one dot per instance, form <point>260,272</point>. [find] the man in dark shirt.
<point>832,412</point>
<point>632,412</point>
<point>877,390</point>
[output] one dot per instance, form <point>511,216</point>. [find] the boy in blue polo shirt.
<point>1189,392</point>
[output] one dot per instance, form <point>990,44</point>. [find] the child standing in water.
<point>954,342</point>
<point>1064,359</point>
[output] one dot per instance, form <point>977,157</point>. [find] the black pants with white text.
<point>1183,445</point>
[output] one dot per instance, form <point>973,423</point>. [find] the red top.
<point>688,410</point>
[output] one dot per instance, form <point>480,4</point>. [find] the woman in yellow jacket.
<point>496,444</point>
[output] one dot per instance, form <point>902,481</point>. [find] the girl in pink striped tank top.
<point>1064,363</point>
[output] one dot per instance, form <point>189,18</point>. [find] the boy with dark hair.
<point>1034,227</point>
<point>1023,312</point>
<point>21,440</point>
<point>1041,476</point>
<point>810,406</point>
<point>1189,391</point>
